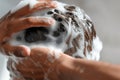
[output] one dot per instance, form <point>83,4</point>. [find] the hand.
<point>17,21</point>
<point>43,63</point>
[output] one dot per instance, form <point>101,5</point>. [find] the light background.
<point>106,17</point>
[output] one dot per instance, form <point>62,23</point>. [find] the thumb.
<point>18,51</point>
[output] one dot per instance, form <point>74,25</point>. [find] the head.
<point>73,33</point>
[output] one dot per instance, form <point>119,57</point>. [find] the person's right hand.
<point>17,21</point>
<point>43,64</point>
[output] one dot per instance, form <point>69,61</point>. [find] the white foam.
<point>24,3</point>
<point>55,49</point>
<point>60,6</point>
<point>97,47</point>
<point>71,30</point>
<point>56,52</point>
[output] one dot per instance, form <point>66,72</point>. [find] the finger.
<point>43,50</point>
<point>26,10</point>
<point>19,51</point>
<point>45,4</point>
<point>25,23</point>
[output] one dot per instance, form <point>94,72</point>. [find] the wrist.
<point>65,67</point>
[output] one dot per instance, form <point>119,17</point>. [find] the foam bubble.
<point>24,3</point>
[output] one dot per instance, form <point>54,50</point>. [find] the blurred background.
<point>106,17</point>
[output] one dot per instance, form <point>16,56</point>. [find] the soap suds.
<point>74,25</point>
<point>24,3</point>
<point>78,36</point>
<point>97,47</point>
<point>54,54</point>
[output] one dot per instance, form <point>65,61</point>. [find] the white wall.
<point>105,15</point>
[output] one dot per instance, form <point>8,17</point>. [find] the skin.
<point>15,22</point>
<point>63,67</point>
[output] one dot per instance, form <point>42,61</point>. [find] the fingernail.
<point>51,21</point>
<point>26,50</point>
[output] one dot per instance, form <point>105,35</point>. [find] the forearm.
<point>91,70</point>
